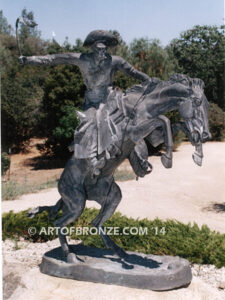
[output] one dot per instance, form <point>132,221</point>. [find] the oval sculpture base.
<point>138,270</point>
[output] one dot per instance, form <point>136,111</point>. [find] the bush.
<point>198,245</point>
<point>63,93</point>
<point>216,122</point>
<point>5,162</point>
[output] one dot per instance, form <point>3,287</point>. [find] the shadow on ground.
<point>91,252</point>
<point>215,207</point>
<point>44,163</point>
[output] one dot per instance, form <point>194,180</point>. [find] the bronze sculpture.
<point>114,126</point>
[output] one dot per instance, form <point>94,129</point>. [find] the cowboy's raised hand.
<point>22,60</point>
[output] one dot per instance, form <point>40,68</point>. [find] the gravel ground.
<point>20,257</point>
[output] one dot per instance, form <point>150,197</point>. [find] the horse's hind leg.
<point>74,203</point>
<point>51,210</point>
<point>108,208</point>
<point>108,205</point>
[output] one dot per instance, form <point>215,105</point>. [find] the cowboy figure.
<point>97,69</point>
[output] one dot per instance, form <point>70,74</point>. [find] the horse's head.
<point>194,109</point>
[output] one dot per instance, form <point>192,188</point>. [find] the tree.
<point>149,57</point>
<point>27,31</point>
<point>121,49</point>
<point>216,122</point>
<point>4,25</point>
<point>21,98</point>
<point>200,53</point>
<point>63,92</point>
<point>21,91</point>
<point>5,163</point>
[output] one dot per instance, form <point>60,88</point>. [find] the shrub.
<point>216,122</point>
<point>198,245</point>
<point>199,52</point>
<point>5,162</point>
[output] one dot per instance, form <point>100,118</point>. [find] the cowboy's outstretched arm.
<point>54,59</point>
<point>128,69</point>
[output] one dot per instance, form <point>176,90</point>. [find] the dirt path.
<point>186,192</point>
<point>31,167</point>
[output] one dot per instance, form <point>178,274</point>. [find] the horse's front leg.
<point>145,128</point>
<point>168,138</point>
<point>198,154</point>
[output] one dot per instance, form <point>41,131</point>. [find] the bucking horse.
<point>135,116</point>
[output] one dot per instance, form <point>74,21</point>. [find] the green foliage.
<point>216,122</point>
<point>27,31</point>
<point>123,81</point>
<point>64,91</point>
<point>198,245</point>
<point>8,52</point>
<point>21,91</point>
<point>149,57</point>
<point>12,189</point>
<point>179,137</point>
<point>5,162</point>
<point>200,53</point>
<point>63,134</point>
<point>21,98</point>
<point>121,49</point>
<point>67,123</point>
<point>4,25</point>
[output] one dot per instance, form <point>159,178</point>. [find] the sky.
<point>161,19</point>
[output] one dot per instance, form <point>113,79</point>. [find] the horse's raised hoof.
<point>71,258</point>
<point>166,161</point>
<point>197,159</point>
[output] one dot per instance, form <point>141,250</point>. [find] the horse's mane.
<point>185,79</point>
<point>135,94</point>
<point>191,82</point>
